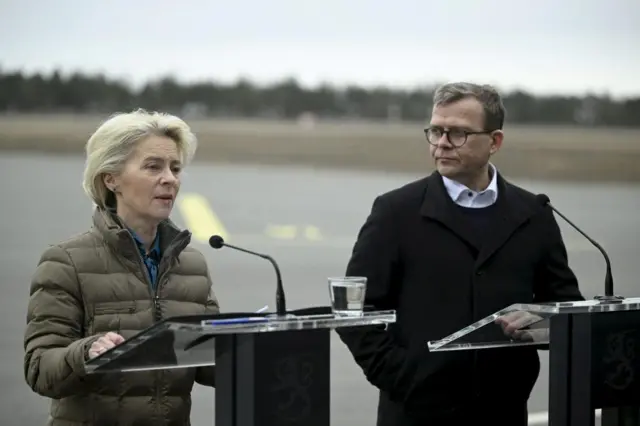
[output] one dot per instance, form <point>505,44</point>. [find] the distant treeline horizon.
<point>55,92</point>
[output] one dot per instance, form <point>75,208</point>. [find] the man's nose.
<point>443,142</point>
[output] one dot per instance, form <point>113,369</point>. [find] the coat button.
<point>480,272</point>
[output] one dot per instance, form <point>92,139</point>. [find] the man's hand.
<point>104,343</point>
<point>512,322</point>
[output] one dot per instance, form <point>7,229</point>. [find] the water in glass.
<point>347,295</point>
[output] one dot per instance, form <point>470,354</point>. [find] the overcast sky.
<point>562,46</point>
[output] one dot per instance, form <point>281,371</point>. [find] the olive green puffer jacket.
<point>95,283</point>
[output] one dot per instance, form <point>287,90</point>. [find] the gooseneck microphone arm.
<point>609,295</point>
<point>217,242</point>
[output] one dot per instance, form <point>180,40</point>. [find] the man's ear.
<point>496,141</point>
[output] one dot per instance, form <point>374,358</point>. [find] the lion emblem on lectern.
<point>294,378</point>
<point>620,356</point>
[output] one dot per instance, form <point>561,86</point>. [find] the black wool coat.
<point>424,258</point>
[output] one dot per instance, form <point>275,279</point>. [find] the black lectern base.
<point>621,416</point>
<point>273,379</point>
<point>595,364</point>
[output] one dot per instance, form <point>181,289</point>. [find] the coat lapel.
<point>438,206</point>
<point>511,215</point>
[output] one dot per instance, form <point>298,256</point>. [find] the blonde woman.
<point>133,267</point>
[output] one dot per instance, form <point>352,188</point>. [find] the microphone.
<point>217,242</point>
<point>608,297</point>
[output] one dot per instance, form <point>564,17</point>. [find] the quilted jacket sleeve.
<point>53,340</point>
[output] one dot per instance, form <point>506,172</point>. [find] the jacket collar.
<point>173,241</point>
<point>511,213</point>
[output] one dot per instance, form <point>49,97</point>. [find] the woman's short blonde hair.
<point>114,141</point>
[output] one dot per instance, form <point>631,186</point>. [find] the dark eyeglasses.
<point>456,137</point>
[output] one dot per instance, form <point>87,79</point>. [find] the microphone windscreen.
<point>543,199</point>
<point>216,241</point>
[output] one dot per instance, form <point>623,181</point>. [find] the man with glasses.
<point>445,251</point>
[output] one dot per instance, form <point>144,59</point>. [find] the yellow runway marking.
<point>200,218</point>
<point>282,232</point>
<point>292,232</point>
<point>312,233</point>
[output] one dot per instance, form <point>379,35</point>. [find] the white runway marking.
<point>542,417</point>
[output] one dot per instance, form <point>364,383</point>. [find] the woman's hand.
<point>104,343</point>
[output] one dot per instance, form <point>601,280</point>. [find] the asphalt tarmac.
<point>307,219</point>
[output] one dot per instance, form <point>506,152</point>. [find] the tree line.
<point>96,93</point>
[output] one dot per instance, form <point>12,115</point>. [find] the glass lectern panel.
<point>190,341</point>
<point>160,347</point>
<point>521,325</point>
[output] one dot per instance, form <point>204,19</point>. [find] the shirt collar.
<point>456,189</point>
<point>155,248</point>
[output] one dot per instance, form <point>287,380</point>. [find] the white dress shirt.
<point>466,197</point>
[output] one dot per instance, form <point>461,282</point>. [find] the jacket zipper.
<point>156,313</point>
<point>155,303</point>
<point>164,265</point>
<point>162,272</point>
<point>155,300</point>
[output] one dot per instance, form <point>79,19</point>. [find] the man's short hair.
<point>488,96</point>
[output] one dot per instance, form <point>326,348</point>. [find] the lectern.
<point>594,355</point>
<point>269,370</point>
